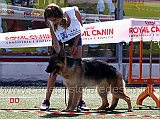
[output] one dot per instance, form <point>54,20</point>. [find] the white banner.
<point>106,32</point>
<point>94,33</point>
<point>145,30</point>
<point>20,13</point>
<point>25,13</point>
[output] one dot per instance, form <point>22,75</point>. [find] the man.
<point>101,6</point>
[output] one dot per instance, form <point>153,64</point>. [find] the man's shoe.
<point>45,105</point>
<point>101,12</point>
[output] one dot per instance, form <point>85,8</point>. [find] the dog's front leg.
<point>71,93</point>
<point>77,92</point>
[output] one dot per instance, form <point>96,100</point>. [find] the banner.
<point>106,32</point>
<point>94,33</point>
<point>25,13</point>
<point>20,13</point>
<point>145,30</point>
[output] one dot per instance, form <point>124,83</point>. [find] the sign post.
<point>119,16</point>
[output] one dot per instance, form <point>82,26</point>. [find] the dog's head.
<point>55,62</point>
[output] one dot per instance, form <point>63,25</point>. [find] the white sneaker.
<point>45,105</point>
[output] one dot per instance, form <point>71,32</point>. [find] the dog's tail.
<point>113,103</point>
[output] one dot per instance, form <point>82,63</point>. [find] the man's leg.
<point>100,7</point>
<point>110,6</point>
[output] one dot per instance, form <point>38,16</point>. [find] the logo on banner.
<point>27,13</point>
<point>98,32</point>
<point>150,23</point>
<point>91,27</point>
<point>6,11</point>
<point>144,29</point>
<point>33,15</point>
<point>149,29</point>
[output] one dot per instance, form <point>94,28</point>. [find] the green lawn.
<point>146,10</point>
<point>31,97</point>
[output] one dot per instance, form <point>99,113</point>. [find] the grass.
<point>142,11</point>
<point>33,96</point>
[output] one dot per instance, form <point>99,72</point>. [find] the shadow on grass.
<point>81,113</point>
<point>145,107</point>
<point>59,115</point>
<point>28,109</point>
<point>17,109</point>
<point>141,107</point>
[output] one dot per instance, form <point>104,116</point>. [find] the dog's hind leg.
<point>121,94</point>
<point>128,100</point>
<point>114,103</point>
<point>118,90</point>
<point>103,92</point>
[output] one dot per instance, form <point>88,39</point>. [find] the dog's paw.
<point>109,109</point>
<point>102,107</point>
<point>67,111</point>
<point>64,110</point>
<point>130,110</point>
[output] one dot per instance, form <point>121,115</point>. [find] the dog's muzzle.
<point>52,69</point>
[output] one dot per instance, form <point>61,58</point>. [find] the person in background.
<point>101,6</point>
<point>61,23</point>
<point>13,2</point>
<point>23,2</point>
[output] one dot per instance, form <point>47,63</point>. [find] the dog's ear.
<point>62,55</point>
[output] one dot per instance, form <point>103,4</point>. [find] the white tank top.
<point>73,30</point>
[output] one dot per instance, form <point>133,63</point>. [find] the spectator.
<point>101,6</point>
<point>13,2</point>
<point>23,3</point>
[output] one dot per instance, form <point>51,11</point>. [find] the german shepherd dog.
<point>79,73</point>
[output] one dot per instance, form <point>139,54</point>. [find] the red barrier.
<point>140,80</point>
